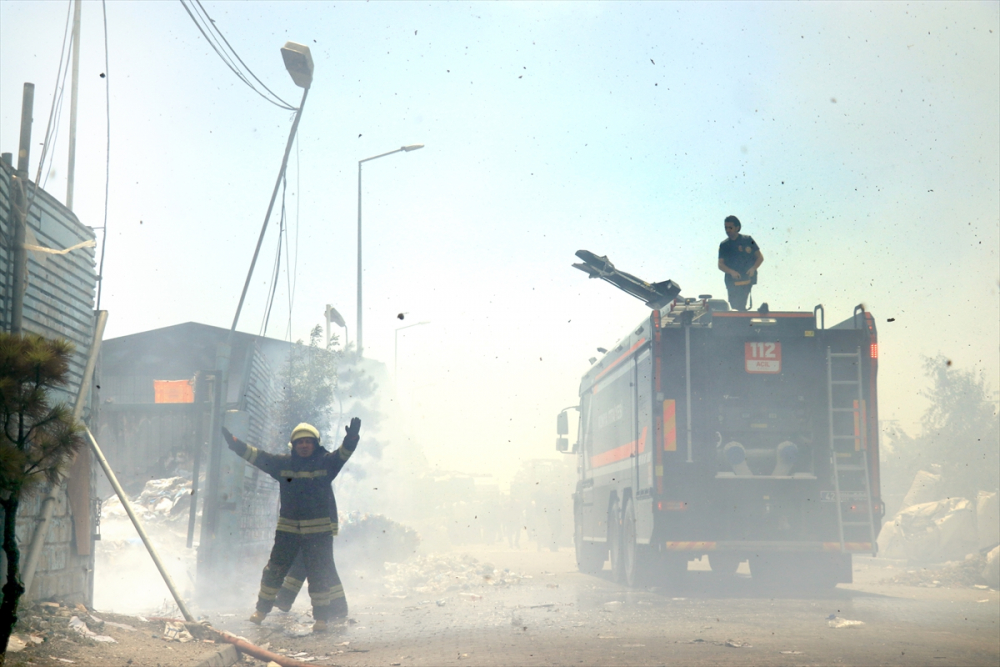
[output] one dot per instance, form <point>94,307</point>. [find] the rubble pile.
<point>443,574</point>
<point>161,500</point>
<point>43,622</point>
<point>966,573</point>
<point>375,539</point>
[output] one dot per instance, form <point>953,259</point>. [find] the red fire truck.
<point>746,436</point>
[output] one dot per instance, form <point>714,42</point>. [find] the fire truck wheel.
<point>590,557</point>
<point>635,557</point>
<point>615,542</point>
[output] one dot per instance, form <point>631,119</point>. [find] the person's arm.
<point>340,456</point>
<point>758,260</point>
<point>725,269</point>
<point>259,459</point>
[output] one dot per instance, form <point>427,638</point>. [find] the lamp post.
<point>404,149</point>
<point>333,316</point>
<point>395,351</point>
<point>299,64</point>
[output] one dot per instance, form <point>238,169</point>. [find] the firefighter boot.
<point>257,617</point>
<point>320,626</point>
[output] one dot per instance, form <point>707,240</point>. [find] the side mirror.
<point>562,444</point>
<point>562,425</point>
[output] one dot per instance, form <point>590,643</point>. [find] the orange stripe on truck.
<point>692,546</point>
<point>669,425</point>
<point>619,453</point>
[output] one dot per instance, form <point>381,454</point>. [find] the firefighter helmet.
<point>305,430</point>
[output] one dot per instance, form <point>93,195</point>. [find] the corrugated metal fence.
<point>58,303</point>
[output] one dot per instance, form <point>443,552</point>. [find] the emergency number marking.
<point>763,357</point>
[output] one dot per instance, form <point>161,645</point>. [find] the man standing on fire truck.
<point>307,519</point>
<point>739,259</point>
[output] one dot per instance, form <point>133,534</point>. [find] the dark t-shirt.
<point>739,254</point>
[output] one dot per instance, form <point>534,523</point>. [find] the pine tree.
<point>36,441</point>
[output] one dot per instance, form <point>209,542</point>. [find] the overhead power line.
<point>107,154</point>
<point>206,26</point>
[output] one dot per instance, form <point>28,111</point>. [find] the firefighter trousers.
<point>297,576</point>
<point>316,551</point>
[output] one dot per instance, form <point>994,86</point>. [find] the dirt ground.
<point>495,606</point>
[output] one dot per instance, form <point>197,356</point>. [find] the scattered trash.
<point>614,605</point>
<point>738,643</point>
<point>80,627</point>
<point>433,574</point>
<point>440,603</point>
<point>790,652</point>
<point>843,623</point>
<point>299,630</point>
<point>15,644</point>
<point>176,632</point>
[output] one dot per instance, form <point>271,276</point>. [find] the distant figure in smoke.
<point>739,259</point>
<point>307,520</point>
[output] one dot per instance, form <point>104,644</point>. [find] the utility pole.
<point>298,62</point>
<point>71,168</point>
<point>20,206</point>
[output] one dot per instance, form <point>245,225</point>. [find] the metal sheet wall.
<point>58,303</point>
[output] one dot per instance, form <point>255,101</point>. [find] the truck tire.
<point>725,563</point>
<point>590,556</point>
<point>615,542</point>
<point>636,558</point>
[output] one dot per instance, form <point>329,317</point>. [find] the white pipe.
<point>38,539</point>
<point>138,526</point>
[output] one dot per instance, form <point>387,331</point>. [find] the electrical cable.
<point>250,71</point>
<point>225,57</point>
<point>276,271</point>
<point>56,97</point>
<point>294,267</point>
<point>107,156</point>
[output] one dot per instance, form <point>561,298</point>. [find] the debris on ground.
<point>953,574</point>
<point>738,643</point>
<point>176,632</point>
<point>991,568</point>
<point>161,500</point>
<point>434,574</point>
<point>931,532</point>
<point>839,623</point>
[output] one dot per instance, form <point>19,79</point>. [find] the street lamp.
<point>395,352</point>
<point>333,316</point>
<point>404,149</point>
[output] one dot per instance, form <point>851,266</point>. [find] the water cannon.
<point>654,295</point>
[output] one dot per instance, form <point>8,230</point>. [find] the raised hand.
<point>354,429</point>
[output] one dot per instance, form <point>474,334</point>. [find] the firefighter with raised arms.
<point>307,520</point>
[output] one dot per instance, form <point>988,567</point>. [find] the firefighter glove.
<point>353,431</point>
<point>231,439</point>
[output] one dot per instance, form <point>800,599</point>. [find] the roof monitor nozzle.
<point>654,295</point>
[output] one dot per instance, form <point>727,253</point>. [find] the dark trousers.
<point>316,552</point>
<point>738,296</point>
<point>297,575</point>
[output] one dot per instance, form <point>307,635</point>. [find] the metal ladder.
<point>847,486</point>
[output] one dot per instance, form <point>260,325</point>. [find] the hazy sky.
<point>857,142</point>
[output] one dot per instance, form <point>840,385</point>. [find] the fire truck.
<point>743,436</point>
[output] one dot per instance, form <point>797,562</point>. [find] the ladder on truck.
<point>849,451</point>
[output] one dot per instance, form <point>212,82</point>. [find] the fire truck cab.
<point>746,436</point>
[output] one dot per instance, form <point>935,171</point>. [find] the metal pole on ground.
<point>138,526</point>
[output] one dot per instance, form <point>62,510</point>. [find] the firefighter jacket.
<point>307,503</point>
